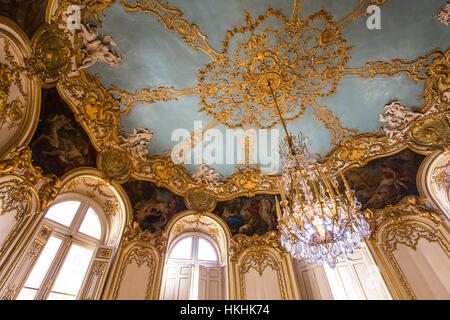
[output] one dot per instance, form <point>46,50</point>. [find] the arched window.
<point>192,270</point>
<point>59,271</point>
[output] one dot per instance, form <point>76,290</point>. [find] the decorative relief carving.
<point>32,179</point>
<point>441,176</point>
<point>444,15</point>
<point>172,20</point>
<point>10,293</point>
<point>411,205</point>
<point>200,201</point>
<point>104,253</point>
<point>15,197</point>
<point>207,175</point>
<point>240,242</point>
<point>12,109</point>
<point>137,142</point>
<point>409,235</point>
<point>259,259</point>
<point>99,267</point>
<point>397,119</point>
<point>94,189</point>
<point>52,56</point>
<point>114,164</point>
<point>95,49</point>
<point>134,233</point>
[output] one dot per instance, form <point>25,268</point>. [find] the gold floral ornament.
<point>15,197</point>
<point>10,113</point>
<point>114,164</point>
<point>10,75</point>
<point>302,61</point>
<point>52,54</point>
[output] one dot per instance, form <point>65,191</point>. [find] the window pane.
<point>206,250</point>
<point>59,296</point>
<point>26,294</point>
<point>72,272</point>
<point>91,224</point>
<point>63,212</point>
<point>43,263</point>
<point>182,249</point>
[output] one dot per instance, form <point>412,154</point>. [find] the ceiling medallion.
<point>303,60</point>
<point>114,164</point>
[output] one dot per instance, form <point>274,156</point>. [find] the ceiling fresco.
<point>331,74</point>
<point>387,180</point>
<point>59,143</point>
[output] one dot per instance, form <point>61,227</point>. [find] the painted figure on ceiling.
<point>153,207</point>
<point>387,180</point>
<point>60,144</point>
<point>249,215</point>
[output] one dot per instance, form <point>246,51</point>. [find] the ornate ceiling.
<point>134,73</point>
<point>183,62</point>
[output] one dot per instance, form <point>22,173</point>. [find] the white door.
<point>178,282</point>
<point>209,283</point>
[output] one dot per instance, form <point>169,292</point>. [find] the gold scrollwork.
<point>241,242</point>
<point>259,259</point>
<point>133,232</point>
<point>172,19</point>
<point>15,197</point>
<point>10,74</point>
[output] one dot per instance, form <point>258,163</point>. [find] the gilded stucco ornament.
<point>241,242</point>
<point>200,200</point>
<point>12,108</point>
<point>411,205</point>
<point>133,232</point>
<point>15,196</point>
<point>52,56</point>
<point>444,15</point>
<point>31,180</point>
<point>114,164</point>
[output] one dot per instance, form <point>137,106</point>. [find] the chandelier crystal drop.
<point>320,221</point>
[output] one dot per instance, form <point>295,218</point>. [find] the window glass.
<point>26,294</point>
<point>183,249</point>
<point>206,250</point>
<point>40,268</point>
<point>43,263</point>
<point>91,224</point>
<point>63,212</point>
<point>71,275</point>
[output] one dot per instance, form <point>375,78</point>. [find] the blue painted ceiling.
<point>153,57</point>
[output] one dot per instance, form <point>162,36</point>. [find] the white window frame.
<point>193,260</point>
<point>69,235</point>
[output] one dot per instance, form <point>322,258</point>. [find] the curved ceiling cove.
<point>187,67</point>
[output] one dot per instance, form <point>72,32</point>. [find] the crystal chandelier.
<point>318,221</point>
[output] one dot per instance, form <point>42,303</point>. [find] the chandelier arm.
<point>288,136</point>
